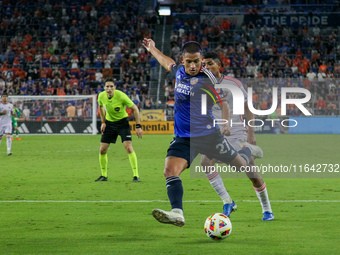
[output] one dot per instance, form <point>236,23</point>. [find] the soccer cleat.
<point>12,138</point>
<point>229,208</point>
<point>256,151</point>
<point>18,138</point>
<point>168,217</point>
<point>101,179</point>
<point>9,153</point>
<point>267,216</point>
<point>136,179</point>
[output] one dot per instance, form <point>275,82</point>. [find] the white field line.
<point>163,201</point>
<point>67,151</point>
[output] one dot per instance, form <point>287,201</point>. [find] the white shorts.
<point>236,139</point>
<point>5,129</point>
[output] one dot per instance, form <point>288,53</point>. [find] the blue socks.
<point>175,191</point>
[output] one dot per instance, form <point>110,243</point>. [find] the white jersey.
<point>237,122</point>
<point>6,120</point>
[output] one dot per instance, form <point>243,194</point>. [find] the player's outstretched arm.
<point>165,61</point>
<point>139,131</point>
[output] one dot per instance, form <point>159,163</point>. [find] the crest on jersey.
<point>193,81</point>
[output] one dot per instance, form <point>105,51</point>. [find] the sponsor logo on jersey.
<point>193,81</point>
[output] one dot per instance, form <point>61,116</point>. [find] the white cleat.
<point>256,151</point>
<point>168,217</point>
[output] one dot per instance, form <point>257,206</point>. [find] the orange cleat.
<point>18,138</point>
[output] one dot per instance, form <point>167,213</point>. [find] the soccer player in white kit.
<point>239,136</point>
<point>6,110</point>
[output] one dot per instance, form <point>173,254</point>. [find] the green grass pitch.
<point>50,203</point>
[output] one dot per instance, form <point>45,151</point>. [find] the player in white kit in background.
<point>6,111</point>
<point>239,136</point>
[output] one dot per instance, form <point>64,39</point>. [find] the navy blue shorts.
<point>214,145</point>
<point>180,147</point>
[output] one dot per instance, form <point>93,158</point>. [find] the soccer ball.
<point>217,226</point>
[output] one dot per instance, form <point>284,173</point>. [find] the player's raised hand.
<point>148,44</point>
<point>139,132</point>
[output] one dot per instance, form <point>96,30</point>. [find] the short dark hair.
<point>214,55</point>
<point>4,94</point>
<point>191,47</point>
<point>109,79</point>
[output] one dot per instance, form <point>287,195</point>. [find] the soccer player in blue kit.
<point>194,131</point>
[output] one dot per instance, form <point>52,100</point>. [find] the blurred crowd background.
<point>52,47</point>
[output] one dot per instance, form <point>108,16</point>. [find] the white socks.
<point>262,194</point>
<point>9,144</point>
<point>216,181</point>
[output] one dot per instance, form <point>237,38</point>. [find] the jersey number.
<point>223,147</point>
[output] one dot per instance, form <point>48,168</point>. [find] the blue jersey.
<point>189,120</point>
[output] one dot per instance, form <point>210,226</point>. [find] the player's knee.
<point>171,171</point>
<point>174,166</point>
<point>102,151</point>
<point>8,136</point>
<point>168,172</point>
<point>128,146</point>
<point>129,149</point>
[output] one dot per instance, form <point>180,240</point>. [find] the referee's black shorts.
<point>116,128</point>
